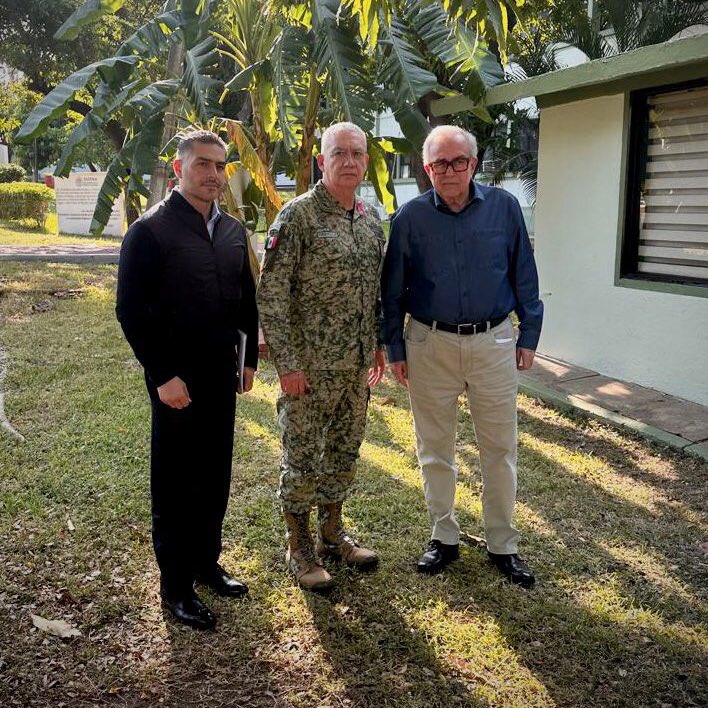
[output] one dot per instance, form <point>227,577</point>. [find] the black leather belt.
<point>467,328</point>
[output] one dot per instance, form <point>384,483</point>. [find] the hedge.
<point>25,200</point>
<point>12,172</point>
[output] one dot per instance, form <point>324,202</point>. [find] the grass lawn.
<point>26,233</point>
<point>612,524</point>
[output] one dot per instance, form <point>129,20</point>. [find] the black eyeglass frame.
<point>450,163</point>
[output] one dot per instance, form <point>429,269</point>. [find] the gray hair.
<point>448,131</point>
<point>203,137</point>
<point>335,129</point>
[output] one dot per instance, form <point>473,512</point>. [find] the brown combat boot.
<point>334,542</point>
<point>300,556</point>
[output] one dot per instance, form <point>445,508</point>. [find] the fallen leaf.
<point>58,628</point>
<point>622,672</point>
<point>704,547</point>
<point>471,540</point>
<point>70,524</point>
<point>402,669</point>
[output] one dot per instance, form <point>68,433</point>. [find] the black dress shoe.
<point>437,557</point>
<point>222,583</point>
<point>187,608</point>
<point>513,568</point>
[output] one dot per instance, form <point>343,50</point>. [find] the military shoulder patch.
<point>272,240</point>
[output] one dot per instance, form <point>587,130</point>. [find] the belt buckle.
<point>467,324</point>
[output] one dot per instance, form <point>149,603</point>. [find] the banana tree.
<point>352,60</point>
<point>326,61</point>
<point>128,86</point>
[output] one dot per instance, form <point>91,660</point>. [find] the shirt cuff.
<point>528,340</point>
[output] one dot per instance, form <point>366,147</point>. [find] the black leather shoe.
<point>222,583</point>
<point>189,609</point>
<point>437,557</point>
<point>513,568</point>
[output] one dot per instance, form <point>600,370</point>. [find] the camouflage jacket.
<point>318,295</point>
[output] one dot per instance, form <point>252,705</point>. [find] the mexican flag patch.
<point>272,240</point>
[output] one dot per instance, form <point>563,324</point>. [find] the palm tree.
<point>622,25</point>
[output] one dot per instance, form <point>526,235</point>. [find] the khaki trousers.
<point>441,366</point>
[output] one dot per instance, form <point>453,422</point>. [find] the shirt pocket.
<point>488,249</point>
<point>327,254</point>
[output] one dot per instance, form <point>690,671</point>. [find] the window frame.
<point>636,155</point>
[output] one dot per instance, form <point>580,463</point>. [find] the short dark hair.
<point>205,137</point>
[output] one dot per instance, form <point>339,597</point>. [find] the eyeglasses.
<point>339,154</point>
<point>459,164</point>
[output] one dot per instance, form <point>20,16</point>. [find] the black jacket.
<point>182,297</point>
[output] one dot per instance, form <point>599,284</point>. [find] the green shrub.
<point>25,200</point>
<point>12,172</point>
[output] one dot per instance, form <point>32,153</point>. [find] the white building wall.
<point>651,338</point>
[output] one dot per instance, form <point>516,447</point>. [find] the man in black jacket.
<point>185,289</point>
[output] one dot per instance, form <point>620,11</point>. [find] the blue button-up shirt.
<point>459,267</point>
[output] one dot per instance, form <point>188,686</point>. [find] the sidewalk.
<point>666,419</point>
<point>66,253</point>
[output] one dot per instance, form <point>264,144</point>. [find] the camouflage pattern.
<point>319,284</point>
<point>321,434</point>
<point>318,302</point>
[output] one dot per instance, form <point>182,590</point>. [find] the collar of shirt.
<point>178,199</point>
<point>327,202</point>
<point>476,195</point>
<point>211,221</point>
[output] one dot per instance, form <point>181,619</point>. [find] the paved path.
<point>78,253</point>
<point>664,418</point>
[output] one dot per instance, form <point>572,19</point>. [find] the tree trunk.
<point>417,169</point>
<point>419,173</point>
<point>160,173</point>
<point>304,159</point>
<point>262,147</point>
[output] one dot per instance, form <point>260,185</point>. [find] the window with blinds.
<point>667,215</point>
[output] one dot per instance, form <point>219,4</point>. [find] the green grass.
<point>611,523</point>
<point>26,233</point>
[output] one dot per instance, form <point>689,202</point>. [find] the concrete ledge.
<point>573,403</point>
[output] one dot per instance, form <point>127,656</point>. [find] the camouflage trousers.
<point>321,434</point>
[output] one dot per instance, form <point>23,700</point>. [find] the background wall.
<point>658,340</point>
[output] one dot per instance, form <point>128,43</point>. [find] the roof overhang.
<point>676,60</point>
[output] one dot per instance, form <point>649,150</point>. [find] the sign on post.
<point>76,197</point>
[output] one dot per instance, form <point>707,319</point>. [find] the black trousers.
<point>190,473</point>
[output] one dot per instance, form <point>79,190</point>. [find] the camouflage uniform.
<point>318,302</point>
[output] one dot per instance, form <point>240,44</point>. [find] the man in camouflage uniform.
<point>317,299</point>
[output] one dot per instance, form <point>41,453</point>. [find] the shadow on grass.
<point>219,668</point>
<point>582,652</point>
<point>673,483</point>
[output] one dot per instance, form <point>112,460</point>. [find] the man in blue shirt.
<point>459,261</point>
